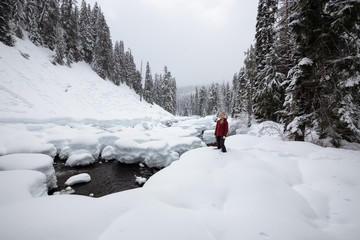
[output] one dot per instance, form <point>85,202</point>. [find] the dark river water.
<point>106,177</point>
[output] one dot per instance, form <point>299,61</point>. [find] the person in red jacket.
<point>221,131</point>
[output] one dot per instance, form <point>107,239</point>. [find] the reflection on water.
<point>106,177</point>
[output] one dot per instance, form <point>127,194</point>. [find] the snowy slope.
<point>33,88</point>
<point>262,188</point>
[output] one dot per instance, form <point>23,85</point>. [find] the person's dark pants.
<point>221,143</point>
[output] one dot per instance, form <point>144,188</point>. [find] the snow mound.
<point>80,178</point>
<point>80,159</point>
<point>38,162</point>
<point>21,185</point>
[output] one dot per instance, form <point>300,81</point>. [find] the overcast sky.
<point>200,41</point>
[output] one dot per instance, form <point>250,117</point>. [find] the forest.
<point>303,71</point>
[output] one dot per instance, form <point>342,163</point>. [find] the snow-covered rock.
<point>80,178</point>
<point>21,185</point>
<point>140,180</point>
<point>38,162</point>
<point>80,159</point>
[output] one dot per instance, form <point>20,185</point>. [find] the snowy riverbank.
<point>262,188</point>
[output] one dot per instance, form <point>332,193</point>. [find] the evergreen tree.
<point>86,33</point>
<point>315,93</point>
<point>157,89</point>
<point>264,35</point>
<point>196,109</point>
<point>5,16</point>
<point>48,22</point>
<point>148,88</point>
<point>213,99</point>
<point>32,10</point>
<point>202,101</point>
<point>59,56</point>
<point>268,96</point>
<point>119,65</point>
<point>167,102</point>
<point>102,55</point>
<point>69,24</point>
<point>250,74</point>
<point>18,17</point>
<point>137,86</point>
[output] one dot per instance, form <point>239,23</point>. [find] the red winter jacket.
<point>221,128</point>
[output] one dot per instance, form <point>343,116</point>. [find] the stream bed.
<point>106,177</point>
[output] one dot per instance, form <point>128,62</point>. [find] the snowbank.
<point>21,185</point>
<point>37,162</point>
<point>261,188</point>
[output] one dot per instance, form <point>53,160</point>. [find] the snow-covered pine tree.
<point>318,85</point>
<point>18,18</point>
<point>202,101</point>
<point>102,56</point>
<point>48,22</point>
<point>344,68</point>
<point>264,35</point>
<point>157,89</point>
<point>32,11</point>
<point>168,100</point>
<point>268,95</point>
<point>5,17</point>
<point>86,33</point>
<point>173,90</point>
<point>59,56</point>
<point>250,73</point>
<point>285,43</point>
<point>228,98</point>
<point>69,24</point>
<point>149,85</point>
<point>196,107</point>
<point>213,99</point>
<point>137,84</point>
<point>119,67</point>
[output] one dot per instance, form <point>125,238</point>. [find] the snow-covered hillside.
<point>31,87</point>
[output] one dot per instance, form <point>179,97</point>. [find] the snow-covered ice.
<point>80,178</point>
<point>38,162</point>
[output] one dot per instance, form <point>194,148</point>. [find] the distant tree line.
<point>81,35</point>
<point>206,100</point>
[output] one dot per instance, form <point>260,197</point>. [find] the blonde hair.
<point>224,116</point>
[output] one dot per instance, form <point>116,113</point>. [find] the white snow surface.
<point>37,162</point>
<point>262,188</point>
<point>80,178</point>
<point>21,185</point>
